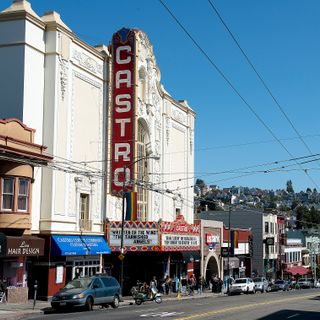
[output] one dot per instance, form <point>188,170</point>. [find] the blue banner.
<point>63,245</point>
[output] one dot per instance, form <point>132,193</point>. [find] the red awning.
<point>298,270</point>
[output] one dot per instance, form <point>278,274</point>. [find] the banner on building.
<point>131,211</point>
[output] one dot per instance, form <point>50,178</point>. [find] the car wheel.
<point>89,304</point>
<point>115,303</point>
<point>138,302</point>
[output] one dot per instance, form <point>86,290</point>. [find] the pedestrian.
<point>220,284</point>
<point>192,283</point>
<point>214,280</point>
<point>167,284</point>
<point>154,282</point>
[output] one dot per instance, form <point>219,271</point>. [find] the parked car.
<point>280,285</point>
<point>261,284</point>
<point>242,285</point>
<point>88,291</point>
<point>305,283</point>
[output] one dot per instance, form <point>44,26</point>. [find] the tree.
<point>290,187</point>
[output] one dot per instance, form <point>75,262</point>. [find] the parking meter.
<point>35,287</point>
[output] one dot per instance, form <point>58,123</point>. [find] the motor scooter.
<point>143,294</point>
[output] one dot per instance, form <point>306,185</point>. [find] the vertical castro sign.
<point>123,108</point>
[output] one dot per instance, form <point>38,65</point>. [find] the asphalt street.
<point>296,305</point>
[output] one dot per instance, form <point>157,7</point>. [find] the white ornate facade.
<point>60,87</point>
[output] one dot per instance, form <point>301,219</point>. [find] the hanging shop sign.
<point>179,235</point>
<point>137,236</point>
<point>123,109</point>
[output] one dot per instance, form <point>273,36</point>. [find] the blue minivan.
<point>88,291</point>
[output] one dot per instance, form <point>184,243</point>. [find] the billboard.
<point>123,108</point>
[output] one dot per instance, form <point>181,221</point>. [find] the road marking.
<point>147,310</point>
<point>294,315</point>
<point>161,314</point>
<point>253,305</point>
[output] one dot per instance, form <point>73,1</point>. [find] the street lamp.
<point>121,256</point>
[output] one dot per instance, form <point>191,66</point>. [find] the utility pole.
<point>229,239</point>
<point>122,247</point>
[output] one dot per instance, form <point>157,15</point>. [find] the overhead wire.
<point>231,85</point>
<point>259,75</point>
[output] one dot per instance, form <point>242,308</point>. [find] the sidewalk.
<point>15,311</point>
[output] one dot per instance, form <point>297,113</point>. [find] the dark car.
<point>88,291</point>
<point>262,284</point>
<point>280,285</point>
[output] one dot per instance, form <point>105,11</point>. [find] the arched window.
<point>142,173</point>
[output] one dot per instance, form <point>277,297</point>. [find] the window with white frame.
<point>15,192</point>
<point>84,206</point>
<point>266,227</point>
<point>23,194</point>
<point>7,194</point>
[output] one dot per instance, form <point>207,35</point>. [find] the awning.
<point>63,245</point>
<point>298,271</point>
<point>24,246</point>
<point>190,256</point>
<point>234,263</point>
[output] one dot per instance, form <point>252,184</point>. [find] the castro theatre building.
<point>152,141</point>
<point>101,111</point>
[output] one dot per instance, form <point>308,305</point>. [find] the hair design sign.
<point>123,108</point>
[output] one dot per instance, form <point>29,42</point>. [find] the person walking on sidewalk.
<point>167,284</point>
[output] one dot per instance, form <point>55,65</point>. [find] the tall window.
<point>23,194</point>
<point>142,174</point>
<point>84,206</point>
<point>266,227</point>
<point>7,193</point>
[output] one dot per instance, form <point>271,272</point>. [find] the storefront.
<point>67,256</point>
<point>17,255</point>
<point>151,249</point>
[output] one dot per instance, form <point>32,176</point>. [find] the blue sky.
<point>282,40</point>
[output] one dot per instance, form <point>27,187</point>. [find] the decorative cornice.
<point>87,62</point>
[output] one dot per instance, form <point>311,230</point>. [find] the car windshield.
<point>79,283</point>
<point>240,281</point>
<point>257,280</point>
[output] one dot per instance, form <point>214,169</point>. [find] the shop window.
<point>15,194</point>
